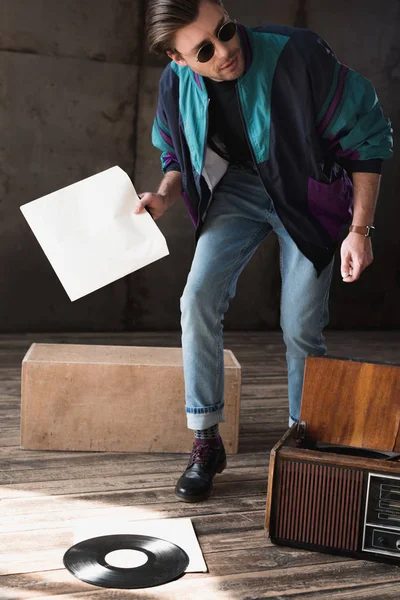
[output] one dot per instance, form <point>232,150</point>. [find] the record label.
<point>87,561</point>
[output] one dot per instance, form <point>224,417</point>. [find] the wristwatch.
<point>365,230</point>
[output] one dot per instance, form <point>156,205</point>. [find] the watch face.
<point>370,231</point>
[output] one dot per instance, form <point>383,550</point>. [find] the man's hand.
<point>169,191</point>
<point>156,204</point>
<point>356,254</point>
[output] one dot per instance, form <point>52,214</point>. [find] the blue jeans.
<point>239,218</point>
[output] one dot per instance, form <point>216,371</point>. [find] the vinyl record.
<point>86,560</point>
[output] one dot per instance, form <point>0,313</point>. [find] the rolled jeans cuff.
<point>205,420</point>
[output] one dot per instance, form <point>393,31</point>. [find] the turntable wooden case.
<point>337,502</point>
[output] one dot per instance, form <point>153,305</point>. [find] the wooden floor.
<point>46,497</point>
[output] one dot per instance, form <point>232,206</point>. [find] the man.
<point>260,130</point>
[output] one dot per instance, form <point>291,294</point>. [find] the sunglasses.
<point>225,34</point>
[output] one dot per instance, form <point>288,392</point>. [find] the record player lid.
<point>352,403</point>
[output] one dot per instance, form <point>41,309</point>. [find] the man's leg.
<point>234,227</point>
<point>304,312</point>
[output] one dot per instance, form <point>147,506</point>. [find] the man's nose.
<point>221,49</point>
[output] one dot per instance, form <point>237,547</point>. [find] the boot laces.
<point>200,454</point>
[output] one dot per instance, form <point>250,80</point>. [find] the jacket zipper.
<point>250,146</point>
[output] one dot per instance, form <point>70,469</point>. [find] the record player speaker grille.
<point>319,504</point>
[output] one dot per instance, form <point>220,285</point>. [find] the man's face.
<point>228,61</point>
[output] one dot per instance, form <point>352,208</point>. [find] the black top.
<point>226,133</point>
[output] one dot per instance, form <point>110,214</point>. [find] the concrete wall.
<point>78,94</point>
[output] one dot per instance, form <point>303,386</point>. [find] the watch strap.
<point>365,230</point>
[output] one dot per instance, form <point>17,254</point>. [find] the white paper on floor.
<point>90,234</point>
<point>177,531</point>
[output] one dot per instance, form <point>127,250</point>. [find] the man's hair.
<point>165,17</point>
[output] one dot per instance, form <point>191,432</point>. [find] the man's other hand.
<point>356,254</point>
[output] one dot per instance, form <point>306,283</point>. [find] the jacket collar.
<point>244,36</point>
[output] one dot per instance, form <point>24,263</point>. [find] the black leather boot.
<point>195,485</point>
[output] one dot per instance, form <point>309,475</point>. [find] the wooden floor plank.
<point>74,486</point>
<point>168,508</point>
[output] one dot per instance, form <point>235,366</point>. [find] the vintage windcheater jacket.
<point>310,122</point>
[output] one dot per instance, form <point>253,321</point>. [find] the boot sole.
<point>193,499</point>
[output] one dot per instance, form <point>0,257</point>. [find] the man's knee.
<point>197,294</point>
<point>206,296</point>
<point>298,330</point>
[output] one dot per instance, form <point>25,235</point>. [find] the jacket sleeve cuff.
<point>172,166</point>
<point>372,165</point>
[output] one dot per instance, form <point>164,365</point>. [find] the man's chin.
<point>232,71</point>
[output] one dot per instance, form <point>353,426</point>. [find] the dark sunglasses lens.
<point>227,31</point>
<point>205,53</point>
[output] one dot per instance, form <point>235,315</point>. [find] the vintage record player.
<point>334,478</point>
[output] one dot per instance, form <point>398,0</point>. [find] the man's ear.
<point>176,57</point>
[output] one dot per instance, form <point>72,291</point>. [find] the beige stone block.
<point>113,398</point>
